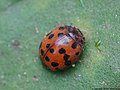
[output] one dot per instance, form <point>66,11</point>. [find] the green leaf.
<point>23,24</point>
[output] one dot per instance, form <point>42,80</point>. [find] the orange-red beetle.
<point>61,47</point>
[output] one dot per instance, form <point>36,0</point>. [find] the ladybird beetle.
<point>61,47</point>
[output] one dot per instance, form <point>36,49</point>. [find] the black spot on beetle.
<point>68,63</point>
<point>48,45</point>
<point>51,36</point>
<point>74,45</point>
<point>42,52</point>
<point>66,57</point>
<point>54,64</point>
<point>62,50</point>
<point>47,58</point>
<point>61,28</point>
<point>51,50</point>
<point>77,53</point>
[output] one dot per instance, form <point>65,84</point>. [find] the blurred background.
<point>23,24</point>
